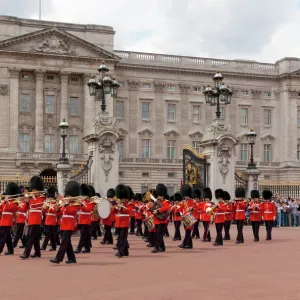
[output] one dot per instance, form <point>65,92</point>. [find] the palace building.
<point>44,68</point>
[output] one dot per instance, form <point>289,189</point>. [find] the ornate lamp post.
<point>105,86</point>
<point>251,137</point>
<point>220,93</point>
<point>63,127</point>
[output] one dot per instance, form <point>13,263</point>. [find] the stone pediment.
<point>54,41</point>
<point>171,134</point>
<point>146,133</point>
<point>196,135</point>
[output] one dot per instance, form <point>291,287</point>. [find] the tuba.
<point>157,205</point>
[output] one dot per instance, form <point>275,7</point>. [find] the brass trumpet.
<point>74,200</point>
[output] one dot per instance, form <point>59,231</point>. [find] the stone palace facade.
<point>44,68</point>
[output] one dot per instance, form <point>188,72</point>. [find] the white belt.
<point>228,212</point>
<point>22,213</point>
<point>7,213</point>
<point>68,216</point>
<point>122,215</point>
<point>35,210</point>
<point>239,210</point>
<point>85,213</point>
<point>255,212</point>
<point>51,215</point>
<point>268,212</point>
<point>219,213</point>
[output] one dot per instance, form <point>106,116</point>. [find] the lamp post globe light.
<point>105,86</point>
<point>220,93</point>
<point>63,127</point>
<point>251,137</point>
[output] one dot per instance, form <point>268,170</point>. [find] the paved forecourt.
<point>264,270</point>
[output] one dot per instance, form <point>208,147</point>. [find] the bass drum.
<point>104,208</point>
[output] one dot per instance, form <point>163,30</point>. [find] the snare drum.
<point>150,223</point>
<point>188,220</point>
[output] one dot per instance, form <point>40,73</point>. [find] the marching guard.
<point>206,218</point>
<point>219,216</point>
<point>197,213</point>
<point>108,222</point>
<point>269,212</point>
<point>255,213</point>
<point>176,209</point>
<point>228,215</point>
<point>239,210</point>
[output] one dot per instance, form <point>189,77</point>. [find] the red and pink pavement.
<point>250,271</point>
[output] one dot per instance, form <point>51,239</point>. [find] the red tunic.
<point>123,215</point>
<point>269,211</point>
<point>85,213</point>
<point>219,215</point>
<point>110,219</point>
<point>132,208</point>
<point>22,213</point>
<point>8,208</point>
<point>229,212</point>
<point>35,213</point>
<point>165,207</point>
<point>254,208</point>
<point>204,216</point>
<point>68,219</point>
<point>197,210</point>
<point>177,211</point>
<point>51,214</point>
<point>138,212</point>
<point>239,210</point>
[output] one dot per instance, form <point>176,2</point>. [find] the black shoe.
<point>9,253</point>
<point>23,256</point>
<point>188,247</point>
<point>77,251</point>
<point>154,250</point>
<point>103,243</point>
<point>174,239</point>
<point>115,248</point>
<point>72,261</point>
<point>43,248</point>
<point>268,239</point>
<point>216,244</point>
<point>161,250</point>
<point>150,245</point>
<point>86,251</point>
<point>52,249</point>
<point>22,247</point>
<point>109,243</point>
<point>238,242</point>
<point>197,237</point>
<point>35,255</point>
<point>255,240</point>
<point>181,246</point>
<point>118,254</point>
<point>94,238</point>
<point>54,261</point>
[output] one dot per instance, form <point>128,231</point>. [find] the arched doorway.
<point>49,177</point>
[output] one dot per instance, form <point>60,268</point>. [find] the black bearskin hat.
<point>161,190</point>
<point>51,192</point>
<point>92,190</point>
<point>172,198</point>
<point>131,194</point>
<point>196,193</point>
<point>110,193</point>
<point>12,189</point>
<point>72,189</point>
<point>226,196</point>
<point>138,197</point>
<point>254,194</point>
<point>122,192</point>
<point>186,191</point>
<point>267,194</point>
<point>207,194</point>
<point>177,197</point>
<point>240,192</point>
<point>85,190</point>
<point>36,183</point>
<point>98,195</point>
<point>219,193</point>
<point>167,197</point>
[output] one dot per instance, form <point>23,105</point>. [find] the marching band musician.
<point>151,237</point>
<point>255,214</point>
<point>269,212</point>
<point>8,208</point>
<point>108,222</point>
<point>85,220</point>
<point>196,213</point>
<point>95,224</point>
<point>51,219</point>
<point>123,218</point>
<point>219,216</point>
<point>132,210</point>
<point>166,231</point>
<point>228,215</point>
<point>187,206</point>
<point>160,224</point>
<point>176,209</point>
<point>239,213</point>
<point>35,215</point>
<point>143,212</point>
<point>138,215</point>
<point>207,196</point>
<point>68,222</point>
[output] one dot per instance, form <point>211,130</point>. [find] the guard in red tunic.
<point>161,211</point>
<point>68,222</point>
<point>85,220</point>
<point>269,212</point>
<point>239,213</point>
<point>132,210</point>
<point>138,214</point>
<point>123,218</point>
<point>219,216</point>
<point>8,208</point>
<point>228,215</point>
<point>176,209</point>
<point>187,205</point>
<point>35,215</point>
<point>206,218</point>
<point>196,213</point>
<point>50,212</point>
<point>108,238</point>
<point>95,224</point>
<point>255,214</point>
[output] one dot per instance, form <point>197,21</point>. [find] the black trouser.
<point>240,236</point>
<point>269,225</point>
<point>159,239</point>
<point>94,229</point>
<point>117,231</point>
<point>33,239</point>
<point>56,234</point>
<point>206,234</point>
<point>132,224</point>
<point>166,231</point>
<point>188,241</point>
<point>85,238</point>
<point>139,230</point>
<point>123,245</point>
<point>66,246</point>
<point>107,234</point>
<point>177,234</point>
<point>226,230</point>
<point>50,235</point>
<point>5,238</point>
<point>196,232</point>
<point>19,235</point>
<point>219,228</point>
<point>152,238</point>
<point>255,228</point>
<point>146,231</point>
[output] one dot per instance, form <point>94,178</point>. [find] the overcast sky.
<point>263,30</point>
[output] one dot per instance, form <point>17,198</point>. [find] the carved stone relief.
<point>159,87</point>
<point>256,93</point>
<point>172,134</point>
<point>133,85</point>
<point>107,150</point>
<point>224,153</point>
<point>3,89</point>
<point>184,88</point>
<point>294,93</point>
<point>54,45</point>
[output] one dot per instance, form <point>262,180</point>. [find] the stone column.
<point>63,176</point>
<point>13,109</point>
<point>252,180</point>
<point>39,111</point>
<point>64,80</point>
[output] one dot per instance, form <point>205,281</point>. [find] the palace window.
<point>267,152</point>
<point>145,148</point>
<point>24,103</point>
<point>171,149</point>
<point>145,111</point>
<point>267,117</point>
<point>244,152</point>
<point>267,94</point>
<point>49,143</point>
<point>244,116</point>
<point>121,148</point>
<point>196,89</point>
<point>245,93</point>
<point>24,142</point>
<point>196,113</point>
<point>50,77</point>
<point>171,87</point>
<point>74,106</point>
<point>73,144</point>
<point>171,112</point>
<point>120,109</point>
<point>146,86</point>
<point>49,104</point>
<point>74,79</point>
<point>196,146</point>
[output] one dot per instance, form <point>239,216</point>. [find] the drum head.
<point>104,208</point>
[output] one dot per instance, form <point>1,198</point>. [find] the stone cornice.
<point>14,72</point>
